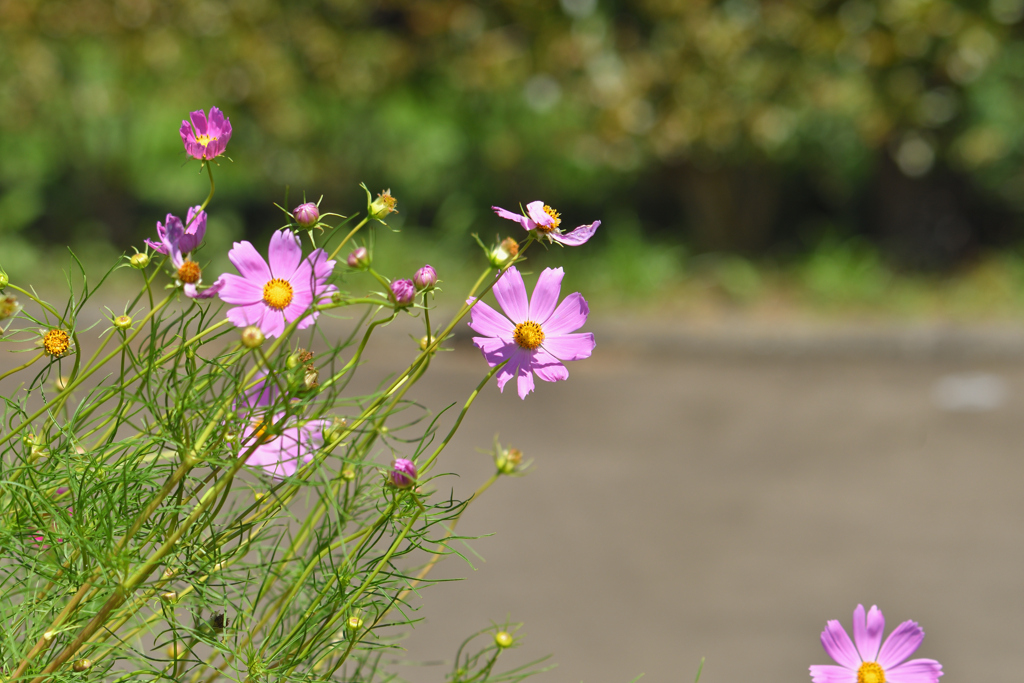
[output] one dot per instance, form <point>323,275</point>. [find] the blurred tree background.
<point>844,142</point>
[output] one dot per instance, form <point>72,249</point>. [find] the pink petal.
<point>285,254</point>
<point>575,346</point>
<point>900,644</point>
<point>308,320</point>
<point>243,316</point>
<point>524,381</point>
<point>826,673</point>
<point>504,213</point>
<point>510,291</point>
<point>578,236</point>
<point>496,351</point>
<point>199,121</point>
<point>237,290</point>
<point>867,632</point>
<point>548,368</point>
<point>915,671</point>
<point>838,645</point>
<point>219,125</point>
<point>301,301</point>
<point>212,290</point>
<point>273,322</point>
<point>156,246</point>
<point>570,316</point>
<point>489,322</point>
<point>322,266</point>
<point>249,263</point>
<point>517,357</point>
<point>324,295</point>
<point>545,294</point>
<point>535,210</point>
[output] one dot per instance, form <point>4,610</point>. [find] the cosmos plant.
<point>192,491</point>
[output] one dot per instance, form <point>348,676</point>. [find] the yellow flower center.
<point>555,220</point>
<point>870,672</point>
<point>259,430</point>
<point>56,343</point>
<point>204,140</point>
<point>278,293</point>
<point>528,335</point>
<point>189,273</point>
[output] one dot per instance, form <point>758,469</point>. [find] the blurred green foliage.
<point>696,126</point>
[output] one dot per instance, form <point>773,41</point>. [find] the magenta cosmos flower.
<point>193,231</point>
<point>206,139</point>
<point>403,473</point>
<point>272,295</point>
<point>188,273</point>
<point>535,337</point>
<point>867,659</point>
<point>546,221</point>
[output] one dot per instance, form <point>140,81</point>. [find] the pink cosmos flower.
<point>206,139</point>
<point>867,659</point>
<point>189,275</point>
<point>194,230</point>
<point>272,295</point>
<point>546,221</point>
<point>535,337</point>
<point>279,454</point>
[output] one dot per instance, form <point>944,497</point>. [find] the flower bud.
<point>139,260</point>
<point>252,337</point>
<point>503,639</point>
<point>348,474</point>
<point>306,214</point>
<point>359,259</point>
<point>403,473</point>
<point>425,277</point>
<point>81,665</point>
<point>354,623</point>
<point>383,205</point>
<point>402,292</point>
<point>4,279</point>
<point>337,298</point>
<point>123,322</point>
<point>503,253</point>
<point>9,306</point>
<point>508,460</point>
<point>336,430</point>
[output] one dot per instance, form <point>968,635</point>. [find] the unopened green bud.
<point>348,474</point>
<point>354,623</point>
<point>293,361</point>
<point>81,665</point>
<point>503,639</point>
<point>508,460</point>
<point>139,260</point>
<point>337,298</point>
<point>503,253</point>
<point>123,322</point>
<point>252,337</point>
<point>4,280</point>
<point>336,430</point>
<point>383,206</point>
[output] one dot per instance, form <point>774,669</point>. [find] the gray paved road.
<point>726,507</point>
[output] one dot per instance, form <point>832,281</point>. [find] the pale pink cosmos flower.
<point>546,221</point>
<point>189,275</point>
<point>205,139</point>
<point>193,231</point>
<point>867,659</point>
<point>280,453</point>
<point>536,336</point>
<point>272,295</point>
